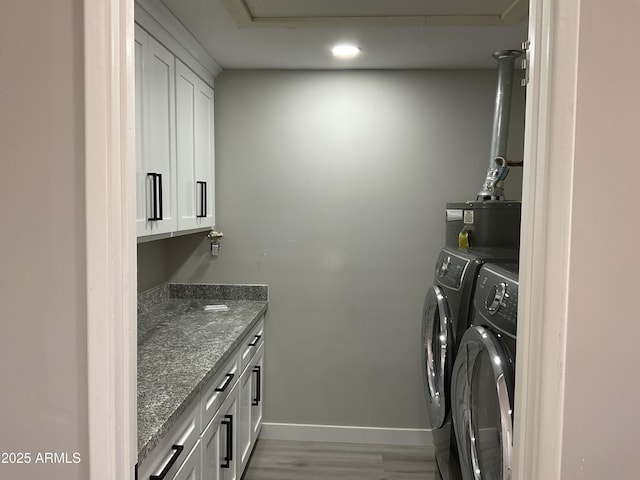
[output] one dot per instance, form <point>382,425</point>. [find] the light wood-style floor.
<point>288,460</point>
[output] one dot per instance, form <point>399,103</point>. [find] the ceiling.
<point>392,34</point>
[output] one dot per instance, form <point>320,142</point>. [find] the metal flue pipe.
<point>493,186</point>
<point>506,61</point>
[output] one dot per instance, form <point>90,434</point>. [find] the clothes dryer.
<point>445,317</point>
<point>483,377</point>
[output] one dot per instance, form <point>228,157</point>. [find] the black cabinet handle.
<point>226,383</point>
<point>258,371</point>
<point>177,451</point>
<point>156,195</point>
<point>229,456</point>
<point>255,340</point>
<point>203,199</point>
<point>160,195</point>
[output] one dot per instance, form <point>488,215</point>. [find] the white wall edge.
<point>347,434</point>
<point>161,24</point>
<point>546,239</point>
<point>110,237</point>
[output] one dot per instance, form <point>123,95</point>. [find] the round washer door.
<point>437,346</point>
<point>482,409</point>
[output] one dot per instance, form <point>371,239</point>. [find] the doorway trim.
<point>110,237</point>
<point>549,154</point>
<point>111,242</point>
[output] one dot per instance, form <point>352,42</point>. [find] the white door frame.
<point>546,235</point>
<point>110,237</point>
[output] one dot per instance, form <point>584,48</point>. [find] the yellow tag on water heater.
<point>463,239</point>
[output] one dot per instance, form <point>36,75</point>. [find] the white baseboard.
<point>347,434</point>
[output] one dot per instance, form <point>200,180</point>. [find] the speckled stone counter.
<point>181,347</point>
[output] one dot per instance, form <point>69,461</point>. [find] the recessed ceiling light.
<point>345,51</point>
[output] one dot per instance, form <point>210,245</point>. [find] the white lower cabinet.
<point>214,394</point>
<point>192,467</point>
<point>244,419</point>
<point>229,467</point>
<point>214,438</point>
<point>250,415</point>
<point>219,445</point>
<point>166,460</point>
<point>256,404</point>
<point>212,445</point>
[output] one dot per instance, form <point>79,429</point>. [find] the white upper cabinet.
<point>155,131</point>
<point>195,154</point>
<point>174,143</point>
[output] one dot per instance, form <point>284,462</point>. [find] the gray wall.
<point>600,423</point>
<point>330,187</point>
<point>43,343</point>
<point>153,268</point>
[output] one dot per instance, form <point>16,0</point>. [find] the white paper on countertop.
<point>215,308</point>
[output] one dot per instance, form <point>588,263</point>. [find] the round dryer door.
<point>437,339</point>
<point>482,406</point>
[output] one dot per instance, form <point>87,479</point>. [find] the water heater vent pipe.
<point>493,187</point>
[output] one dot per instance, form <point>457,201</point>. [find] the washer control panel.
<point>496,297</point>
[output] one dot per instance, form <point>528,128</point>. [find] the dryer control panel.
<point>450,269</point>
<point>496,298</point>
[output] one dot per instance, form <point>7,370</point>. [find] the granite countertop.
<point>181,347</point>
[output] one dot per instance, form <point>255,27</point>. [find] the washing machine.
<point>483,377</point>
<point>445,317</point>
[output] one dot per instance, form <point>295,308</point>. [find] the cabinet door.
<point>205,156</point>
<point>191,468</point>
<point>250,407</point>
<point>156,163</point>
<point>219,442</point>
<point>195,150</point>
<point>168,457</point>
<point>244,417</point>
<point>257,370</point>
<point>141,134</point>
<point>251,344</point>
<point>212,445</point>
<point>229,455</point>
<point>214,394</point>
